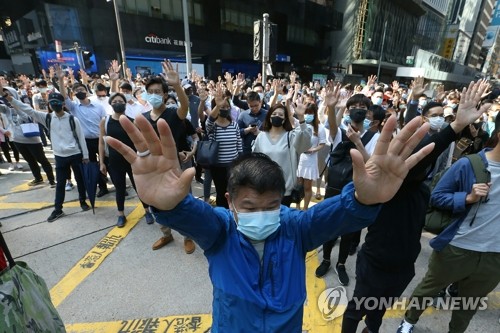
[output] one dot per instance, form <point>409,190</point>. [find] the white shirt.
<point>133,110</point>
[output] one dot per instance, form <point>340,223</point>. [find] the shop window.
<point>177,9</point>
<point>143,7</point>
<point>130,6</point>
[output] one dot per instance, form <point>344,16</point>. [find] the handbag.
<point>207,152</point>
<point>30,130</point>
<point>298,192</point>
<point>25,301</point>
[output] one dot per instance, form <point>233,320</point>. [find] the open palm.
<point>158,177</point>
<point>169,74</point>
<point>380,178</point>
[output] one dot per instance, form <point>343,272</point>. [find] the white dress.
<point>308,163</point>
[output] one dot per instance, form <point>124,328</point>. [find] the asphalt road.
<point>106,279</point>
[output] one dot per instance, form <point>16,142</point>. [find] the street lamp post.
<point>187,40</point>
<point>120,37</point>
<point>381,51</point>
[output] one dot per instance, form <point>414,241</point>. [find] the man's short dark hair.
<point>155,80</point>
<point>258,84</point>
<point>359,99</point>
<point>41,83</point>
<point>126,86</point>
<point>78,85</point>
<point>378,112</point>
<point>252,96</point>
<point>429,106</point>
<point>258,172</point>
<point>101,87</point>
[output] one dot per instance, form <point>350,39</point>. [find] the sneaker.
<point>69,186</point>
<point>162,242</point>
<point>55,215</point>
<point>189,246</point>
<point>150,218</point>
<point>405,327</point>
<point>342,274</point>
<point>12,167</point>
<point>322,268</point>
<point>52,183</point>
<point>19,166</point>
<point>35,182</point>
<point>452,290</point>
<point>121,221</point>
<point>85,206</point>
<point>102,192</point>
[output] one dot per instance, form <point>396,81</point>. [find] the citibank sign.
<point>154,39</point>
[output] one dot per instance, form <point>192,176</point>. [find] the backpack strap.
<point>73,130</point>
<point>367,137</point>
<point>482,176</point>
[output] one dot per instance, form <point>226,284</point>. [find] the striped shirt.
<point>229,140</point>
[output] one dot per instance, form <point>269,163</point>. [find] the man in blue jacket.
<point>256,249</point>
<point>468,250</point>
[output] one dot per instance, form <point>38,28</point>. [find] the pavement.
<point>107,279</point>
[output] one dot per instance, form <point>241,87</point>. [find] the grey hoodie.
<point>14,121</point>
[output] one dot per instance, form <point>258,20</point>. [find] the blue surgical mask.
<point>377,101</point>
<point>422,103</point>
<point>309,118</point>
<point>367,124</point>
<point>347,119</point>
<point>155,100</point>
<point>128,97</point>
<point>258,225</point>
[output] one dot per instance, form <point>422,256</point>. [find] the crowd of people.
<point>277,139</point>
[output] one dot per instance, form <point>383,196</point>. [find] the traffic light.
<point>87,62</point>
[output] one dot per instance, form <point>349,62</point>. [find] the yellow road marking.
<point>91,261</point>
<point>23,187</point>
<point>37,205</point>
<point>171,324</point>
<point>313,319</point>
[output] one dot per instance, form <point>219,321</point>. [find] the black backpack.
<point>340,164</point>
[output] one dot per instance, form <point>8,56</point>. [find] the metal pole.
<point>78,55</point>
<point>265,46</point>
<point>381,51</point>
<point>120,38</point>
<point>187,40</point>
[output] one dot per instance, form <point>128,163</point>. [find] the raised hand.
<point>440,93</point>
<point>158,176</point>
<point>290,93</point>
<point>169,74</point>
<point>114,70</point>
<point>229,81</point>
<point>395,86</point>
<point>219,97</point>
<point>467,111</point>
<point>293,77</point>
<point>332,94</point>
<point>371,80</point>
<point>51,72</point>
<point>259,78</point>
<point>58,71</point>
<point>380,178</point>
<point>418,87</point>
<point>71,72</point>
<point>128,72</point>
<point>300,110</point>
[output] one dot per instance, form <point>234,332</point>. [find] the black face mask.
<point>56,107</point>
<point>81,95</point>
<point>224,113</point>
<point>277,121</point>
<point>119,107</point>
<point>357,115</point>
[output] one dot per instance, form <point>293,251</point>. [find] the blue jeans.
<point>63,165</point>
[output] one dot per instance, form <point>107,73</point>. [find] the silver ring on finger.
<point>143,153</point>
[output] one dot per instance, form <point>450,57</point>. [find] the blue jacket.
<point>248,296</point>
<point>450,193</point>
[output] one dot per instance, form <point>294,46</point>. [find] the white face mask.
<point>436,123</point>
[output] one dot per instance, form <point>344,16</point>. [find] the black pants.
<point>373,282</point>
<point>43,137</point>
<point>33,154</point>
<point>345,245</point>
<point>63,165</point>
<point>118,173</point>
<point>6,147</point>
<point>220,175</point>
<point>93,148</point>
